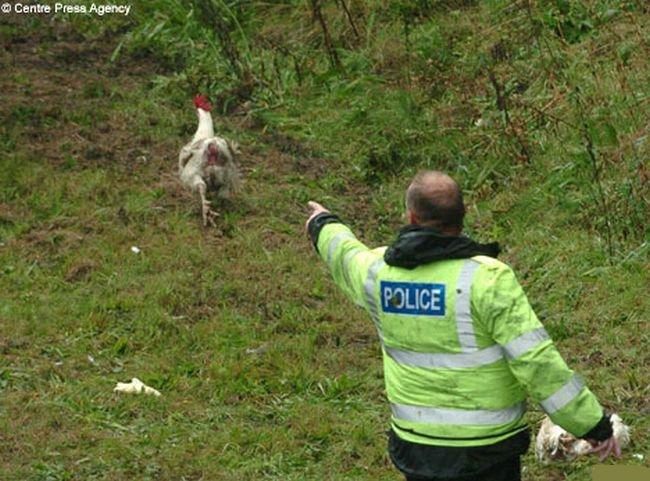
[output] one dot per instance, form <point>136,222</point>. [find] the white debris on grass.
<point>258,350</point>
<point>135,386</point>
<point>91,359</point>
<point>638,456</point>
<point>135,249</point>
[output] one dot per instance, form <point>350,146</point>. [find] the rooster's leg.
<point>207,213</point>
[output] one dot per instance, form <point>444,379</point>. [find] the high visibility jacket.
<point>462,347</point>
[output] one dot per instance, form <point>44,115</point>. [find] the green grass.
<point>266,371</point>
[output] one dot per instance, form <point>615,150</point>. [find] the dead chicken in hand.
<point>555,444</point>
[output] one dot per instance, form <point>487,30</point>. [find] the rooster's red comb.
<point>201,102</point>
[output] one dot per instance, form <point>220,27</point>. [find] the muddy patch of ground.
<point>57,97</point>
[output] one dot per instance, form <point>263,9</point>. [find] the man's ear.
<point>412,218</point>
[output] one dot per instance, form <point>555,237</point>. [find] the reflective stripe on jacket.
<point>461,346</point>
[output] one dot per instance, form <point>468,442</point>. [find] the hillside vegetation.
<point>540,109</point>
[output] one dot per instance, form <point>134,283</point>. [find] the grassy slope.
<point>89,172</point>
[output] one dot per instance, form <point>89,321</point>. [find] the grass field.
<point>539,109</point>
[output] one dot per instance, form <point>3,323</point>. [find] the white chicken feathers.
<point>555,444</point>
<point>207,162</point>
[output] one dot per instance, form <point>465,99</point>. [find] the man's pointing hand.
<point>316,209</point>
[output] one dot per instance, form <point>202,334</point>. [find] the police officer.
<point>462,347</point>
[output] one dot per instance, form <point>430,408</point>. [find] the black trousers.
<point>508,470</point>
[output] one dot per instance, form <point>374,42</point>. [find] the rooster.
<point>555,444</point>
<point>208,162</point>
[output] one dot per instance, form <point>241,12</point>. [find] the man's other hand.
<point>315,209</point>
<point>605,448</point>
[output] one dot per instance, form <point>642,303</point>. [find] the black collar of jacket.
<point>416,245</point>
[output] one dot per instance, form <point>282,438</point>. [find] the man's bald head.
<point>435,200</point>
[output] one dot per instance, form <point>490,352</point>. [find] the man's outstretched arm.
<point>348,258</point>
